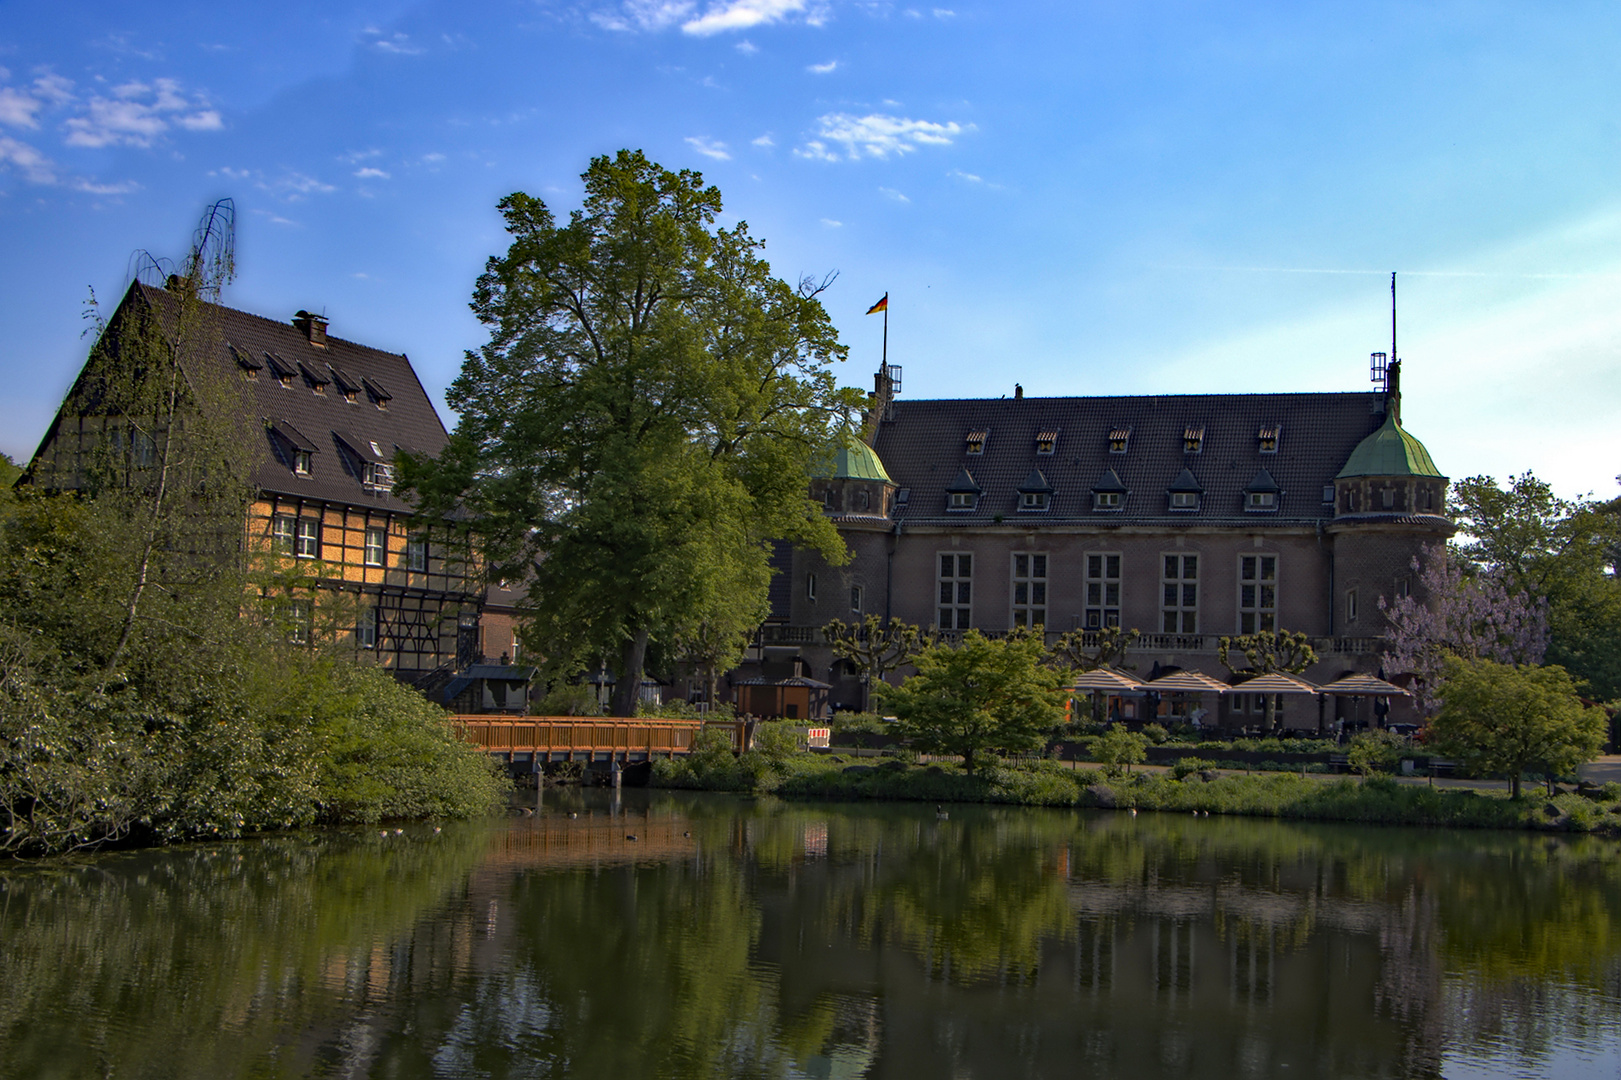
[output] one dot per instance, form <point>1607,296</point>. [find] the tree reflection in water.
<point>748,938</point>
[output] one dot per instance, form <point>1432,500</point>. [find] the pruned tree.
<point>874,647</point>
<point>1456,614</point>
<point>1266,653</point>
<point>639,426</point>
<point>1088,650</point>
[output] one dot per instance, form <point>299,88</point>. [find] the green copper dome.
<point>857,461</point>
<point>1390,451</point>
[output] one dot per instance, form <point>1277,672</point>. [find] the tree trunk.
<point>628,690</point>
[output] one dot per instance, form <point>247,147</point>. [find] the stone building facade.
<point>1185,517</point>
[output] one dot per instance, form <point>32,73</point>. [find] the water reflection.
<point>666,934</point>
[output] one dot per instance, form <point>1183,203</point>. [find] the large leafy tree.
<point>1561,551</point>
<point>980,694</point>
<point>641,422</point>
<point>1508,719</point>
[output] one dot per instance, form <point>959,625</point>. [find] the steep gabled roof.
<point>240,343</point>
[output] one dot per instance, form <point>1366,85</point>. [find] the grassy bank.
<point>1380,801</point>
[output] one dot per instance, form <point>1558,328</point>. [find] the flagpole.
<point>885,360</point>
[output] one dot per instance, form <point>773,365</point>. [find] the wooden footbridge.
<point>591,740</point>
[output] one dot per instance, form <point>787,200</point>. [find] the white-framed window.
<point>1184,500</point>
<point>1350,605</point>
<point>282,534</point>
<point>1106,500</point>
<point>366,628</point>
<point>1179,594</point>
<point>416,554</point>
<point>302,460</point>
<point>961,500</point>
<point>1029,588</point>
<point>377,474</point>
<point>855,599</point>
<point>1102,590</point>
<point>810,586</point>
<point>1033,500</point>
<point>1404,587</point>
<point>1262,500</point>
<point>308,542</point>
<point>300,617</point>
<point>376,546</point>
<point>956,591</point>
<point>1257,594</point>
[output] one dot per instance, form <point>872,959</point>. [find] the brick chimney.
<point>313,327</point>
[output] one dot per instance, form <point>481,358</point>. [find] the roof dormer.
<point>1185,493</point>
<point>1046,443</point>
<point>962,494</point>
<point>975,441</point>
<point>1035,494</point>
<point>1109,493</point>
<point>1267,438</point>
<point>1119,438</point>
<point>1193,439</point>
<point>1262,494</point>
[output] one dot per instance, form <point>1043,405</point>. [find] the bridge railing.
<point>586,734</point>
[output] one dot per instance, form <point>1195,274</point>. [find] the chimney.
<point>313,326</point>
<point>1018,391</point>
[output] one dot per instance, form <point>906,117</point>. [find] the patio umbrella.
<point>1362,686</point>
<point>1186,682</point>
<point>1277,684</point>
<point>1102,681</point>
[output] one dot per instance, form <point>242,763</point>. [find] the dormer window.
<point>1261,494</point>
<point>1046,443</point>
<point>1108,494</point>
<point>314,378</point>
<point>378,474</point>
<point>963,493</point>
<point>1106,500</point>
<point>374,389</point>
<point>1035,493</point>
<point>1193,439</point>
<point>301,462</point>
<point>349,386</point>
<point>244,360</point>
<point>976,441</point>
<point>1118,438</point>
<point>1185,491</point>
<point>283,371</point>
<point>1269,438</point>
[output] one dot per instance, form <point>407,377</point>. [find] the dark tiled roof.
<point>323,422</point>
<point>923,449</point>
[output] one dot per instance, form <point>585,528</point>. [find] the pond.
<point>693,935</point>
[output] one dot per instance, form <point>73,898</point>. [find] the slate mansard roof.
<point>925,448</point>
<point>340,436</point>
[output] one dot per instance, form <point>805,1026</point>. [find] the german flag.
<point>882,305</point>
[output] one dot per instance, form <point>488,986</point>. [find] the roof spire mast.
<point>1393,354</point>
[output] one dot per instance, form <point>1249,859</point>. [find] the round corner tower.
<point>1389,505</point>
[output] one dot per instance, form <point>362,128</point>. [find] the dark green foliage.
<point>979,695</point>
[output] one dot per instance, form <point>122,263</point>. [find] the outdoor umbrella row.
<point>1109,681</point>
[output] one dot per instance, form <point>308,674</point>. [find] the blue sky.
<point>1081,197</point>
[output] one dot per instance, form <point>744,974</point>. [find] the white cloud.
<point>824,69</point>
<point>765,141</point>
<point>830,223</point>
<point>399,44</point>
<point>944,13</point>
<point>645,15</point>
<point>877,135</point>
<point>277,219</point>
<point>17,109</point>
<point>709,147</point>
<point>294,186</point>
<point>54,88</point>
<point>106,189</point>
<point>747,47</point>
<point>740,15</point>
<point>433,158</point>
<point>35,167</point>
<point>370,173</point>
<point>136,114</point>
<point>967,176</point>
<point>891,193</point>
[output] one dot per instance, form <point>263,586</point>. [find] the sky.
<point>1083,197</point>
